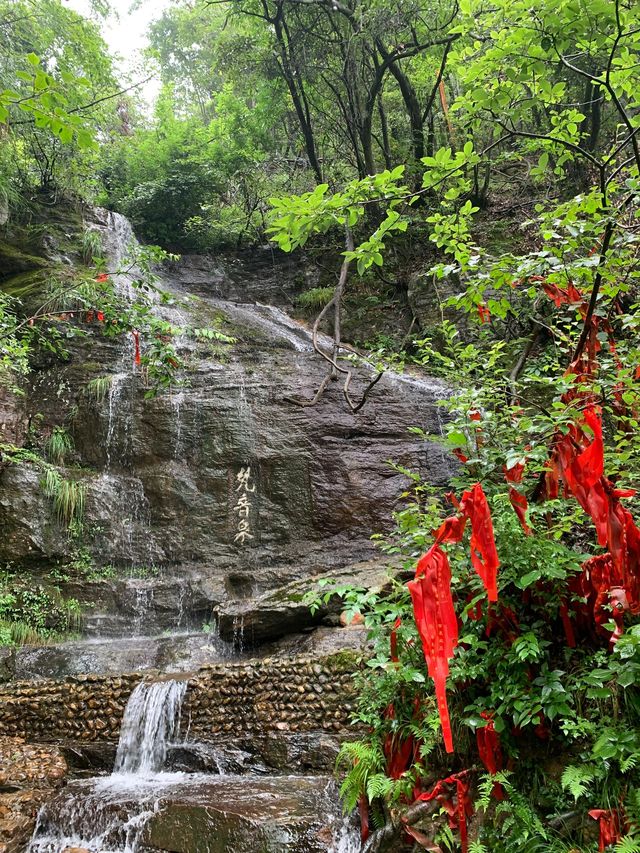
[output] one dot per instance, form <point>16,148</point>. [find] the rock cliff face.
<point>210,509</point>
<point>221,492</point>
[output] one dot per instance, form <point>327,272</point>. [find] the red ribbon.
<point>393,640</point>
<point>517,499</point>
<point>611,824</point>
<point>489,745</point>
<point>484,556</point>
<point>431,591</point>
<point>459,809</point>
<point>136,343</point>
<point>437,625</point>
<point>484,314</point>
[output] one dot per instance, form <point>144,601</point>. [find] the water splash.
<point>92,817</point>
<point>177,401</point>
<point>347,837</point>
<point>238,642</point>
<point>120,241</point>
<point>151,722</point>
<point>144,595</point>
<point>135,522</point>
<point>111,814</point>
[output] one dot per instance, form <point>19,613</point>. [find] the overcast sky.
<point>124,32</point>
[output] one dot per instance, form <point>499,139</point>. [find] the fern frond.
<point>629,844</point>
<point>362,761</point>
<point>629,762</point>
<point>378,785</point>
<point>576,780</point>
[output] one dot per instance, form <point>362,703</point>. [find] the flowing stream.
<point>114,814</point>
<point>109,814</point>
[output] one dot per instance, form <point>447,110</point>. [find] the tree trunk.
<point>386,150</point>
<point>296,90</point>
<point>414,112</point>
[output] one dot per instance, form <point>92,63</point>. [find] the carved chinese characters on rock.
<point>244,489</point>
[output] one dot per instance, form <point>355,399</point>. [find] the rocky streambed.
<point>30,773</point>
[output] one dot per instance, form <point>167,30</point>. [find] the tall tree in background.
<point>56,72</point>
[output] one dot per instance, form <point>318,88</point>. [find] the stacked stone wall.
<point>255,698</point>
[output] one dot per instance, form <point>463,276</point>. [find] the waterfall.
<point>112,813</point>
<point>151,722</point>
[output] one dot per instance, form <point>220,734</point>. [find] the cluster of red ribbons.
<point>431,591</point>
<point>578,460</point>
<point>612,824</point>
<point>399,752</point>
<point>600,599</point>
<point>608,581</point>
<point>570,295</point>
<point>453,795</point>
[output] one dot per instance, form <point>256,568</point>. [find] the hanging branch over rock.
<point>335,369</point>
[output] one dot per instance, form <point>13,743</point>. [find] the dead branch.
<point>335,369</point>
<point>388,837</point>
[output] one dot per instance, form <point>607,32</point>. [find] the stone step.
<point>178,652</point>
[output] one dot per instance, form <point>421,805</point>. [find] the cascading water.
<point>222,419</point>
<point>110,814</point>
<point>151,722</point>
<point>117,814</point>
<point>119,410</point>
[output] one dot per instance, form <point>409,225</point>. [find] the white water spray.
<point>150,724</point>
<point>110,814</point>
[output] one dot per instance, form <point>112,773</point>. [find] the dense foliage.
<point>543,684</point>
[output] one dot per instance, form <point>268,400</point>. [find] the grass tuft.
<point>58,445</point>
<point>99,387</point>
<point>92,249</point>
<point>317,297</point>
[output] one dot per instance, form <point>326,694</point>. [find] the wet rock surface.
<point>29,773</point>
<point>270,815</point>
<point>223,487</point>
<point>195,814</point>
<point>285,611</point>
<point>176,653</point>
